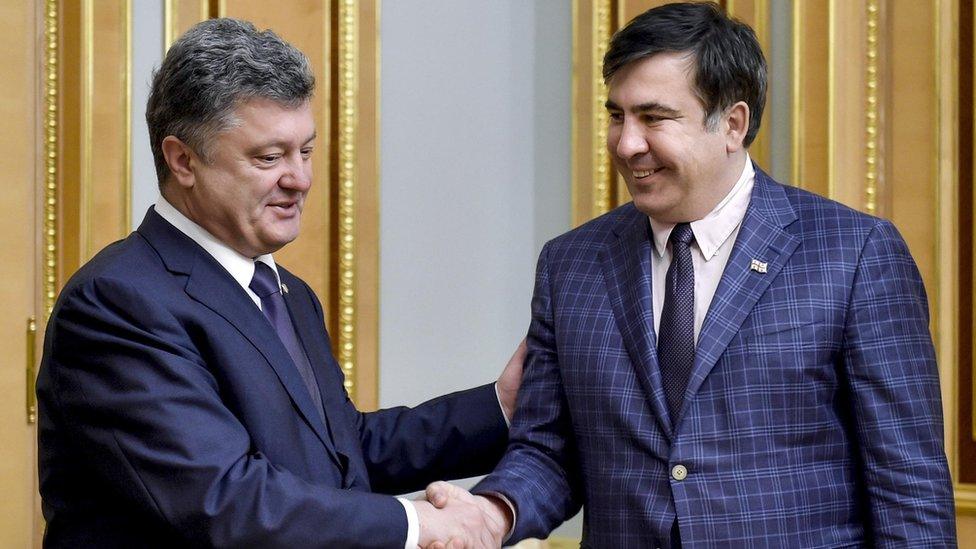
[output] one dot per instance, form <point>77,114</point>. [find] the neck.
<point>725,181</point>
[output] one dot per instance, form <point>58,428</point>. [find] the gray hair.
<point>208,72</point>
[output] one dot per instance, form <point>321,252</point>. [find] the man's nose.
<point>632,140</point>
<point>298,175</point>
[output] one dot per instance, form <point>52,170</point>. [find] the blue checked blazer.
<point>812,417</point>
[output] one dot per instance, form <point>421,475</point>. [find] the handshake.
<point>453,518</point>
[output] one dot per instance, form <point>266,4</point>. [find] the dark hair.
<point>729,64</point>
<point>209,71</point>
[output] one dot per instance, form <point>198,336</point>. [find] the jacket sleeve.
<point>458,435</point>
<point>121,378</point>
<point>539,472</point>
<point>892,379</point>
<point>455,436</point>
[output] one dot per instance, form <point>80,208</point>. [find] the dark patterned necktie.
<point>265,285</point>
<point>676,333</point>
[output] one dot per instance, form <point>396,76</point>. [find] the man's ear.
<point>180,159</point>
<point>737,126</point>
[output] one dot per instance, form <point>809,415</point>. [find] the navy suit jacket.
<point>172,415</point>
<point>812,417</point>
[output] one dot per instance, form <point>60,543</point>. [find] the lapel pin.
<point>758,266</point>
<point>284,287</point>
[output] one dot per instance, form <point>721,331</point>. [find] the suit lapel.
<point>211,285</point>
<point>310,332</point>
<point>329,376</point>
<point>762,237</point>
<point>626,268</point>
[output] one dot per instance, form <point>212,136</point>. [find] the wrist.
<point>499,513</point>
<point>506,401</point>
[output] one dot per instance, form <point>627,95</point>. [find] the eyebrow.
<point>652,106</point>
<point>283,144</point>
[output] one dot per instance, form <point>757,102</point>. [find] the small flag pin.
<point>758,266</point>
<point>284,287</point>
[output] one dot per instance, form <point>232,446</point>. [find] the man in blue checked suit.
<point>727,361</point>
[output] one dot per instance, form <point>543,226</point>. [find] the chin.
<point>282,233</point>
<point>280,243</point>
<point>658,203</point>
<point>272,243</point>
<point>649,206</point>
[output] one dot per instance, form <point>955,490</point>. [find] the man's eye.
<point>616,116</point>
<point>306,153</point>
<point>269,158</point>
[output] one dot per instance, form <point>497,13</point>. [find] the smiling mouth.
<point>641,174</point>
<point>285,206</point>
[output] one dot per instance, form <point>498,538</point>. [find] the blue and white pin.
<point>758,266</point>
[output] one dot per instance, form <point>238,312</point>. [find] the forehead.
<point>665,77</point>
<point>268,114</point>
<point>260,121</point>
<point>258,124</point>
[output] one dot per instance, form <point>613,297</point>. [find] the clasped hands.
<point>453,518</point>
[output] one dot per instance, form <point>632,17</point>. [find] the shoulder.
<point>127,275</point>
<point>820,220</point>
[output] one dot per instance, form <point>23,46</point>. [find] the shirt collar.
<point>718,225</point>
<point>240,267</point>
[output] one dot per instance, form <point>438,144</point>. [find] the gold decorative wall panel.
<point>629,9</point>
<point>602,170</point>
<point>24,39</point>
<point>847,93</point>
<point>94,156</point>
<point>49,283</point>
<point>180,15</point>
<point>366,63</point>
<point>810,96</point>
<point>755,13</point>
<point>591,169</point>
<point>958,232</point>
<point>912,136</point>
<point>874,130</point>
<point>347,34</point>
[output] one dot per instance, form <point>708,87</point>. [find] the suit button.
<point>679,472</point>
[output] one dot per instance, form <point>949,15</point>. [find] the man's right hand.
<point>456,519</point>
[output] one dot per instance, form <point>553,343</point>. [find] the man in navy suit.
<point>188,393</point>
<point>726,361</point>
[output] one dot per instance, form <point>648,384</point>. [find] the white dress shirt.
<point>715,236</point>
<point>242,269</point>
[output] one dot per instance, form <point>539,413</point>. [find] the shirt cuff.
<point>511,508</point>
<point>413,524</point>
<point>508,420</point>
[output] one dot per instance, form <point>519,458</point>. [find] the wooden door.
<point>21,40</point>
